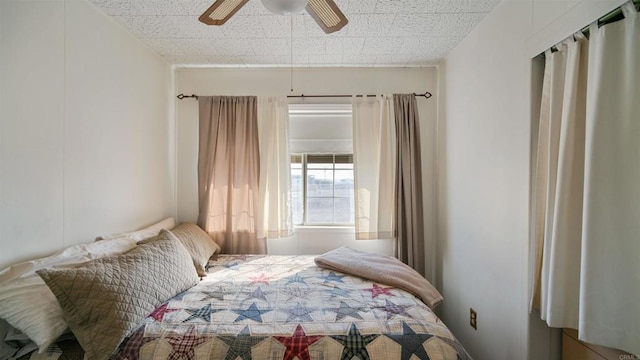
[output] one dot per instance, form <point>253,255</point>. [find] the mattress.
<point>285,307</point>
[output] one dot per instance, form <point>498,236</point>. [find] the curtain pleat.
<point>610,277</point>
<point>409,213</point>
<point>558,188</point>
<point>274,220</point>
<point>374,162</point>
<point>540,183</point>
<point>228,172</point>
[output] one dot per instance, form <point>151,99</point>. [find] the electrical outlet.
<point>473,318</point>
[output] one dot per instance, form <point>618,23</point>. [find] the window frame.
<point>305,198</point>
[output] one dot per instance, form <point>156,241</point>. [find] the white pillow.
<point>26,302</point>
<point>73,255</point>
<point>143,234</point>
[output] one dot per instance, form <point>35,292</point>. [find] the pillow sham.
<point>26,302</point>
<point>105,300</point>
<point>144,233</point>
<point>198,243</point>
<point>70,256</point>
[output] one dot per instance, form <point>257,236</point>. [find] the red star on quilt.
<point>158,313</point>
<point>298,344</point>
<point>130,348</point>
<point>260,279</point>
<point>184,346</point>
<point>378,290</point>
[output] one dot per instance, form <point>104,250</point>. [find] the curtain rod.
<point>426,95</point>
<point>608,18</point>
<point>612,16</point>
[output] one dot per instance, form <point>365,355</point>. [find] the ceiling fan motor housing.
<point>284,7</point>
<point>325,12</point>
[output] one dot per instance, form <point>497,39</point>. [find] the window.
<point>322,189</point>
<point>320,142</point>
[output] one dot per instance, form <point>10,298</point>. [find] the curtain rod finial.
<point>182,96</point>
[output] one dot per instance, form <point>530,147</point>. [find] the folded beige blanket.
<point>381,269</point>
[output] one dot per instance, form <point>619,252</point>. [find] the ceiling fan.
<point>325,12</point>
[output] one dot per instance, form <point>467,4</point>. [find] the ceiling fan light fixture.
<point>284,7</point>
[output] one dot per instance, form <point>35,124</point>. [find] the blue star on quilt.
<point>393,309</point>
<point>296,279</point>
<point>240,345</point>
<point>232,265</point>
<point>203,313</point>
<point>411,343</point>
<point>299,313</point>
<point>347,310</point>
<point>180,296</point>
<point>333,277</point>
<point>339,292</point>
<point>257,294</point>
<point>355,345</point>
<point>215,295</point>
<point>252,313</point>
<point>296,292</point>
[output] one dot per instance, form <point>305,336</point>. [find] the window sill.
<point>327,229</point>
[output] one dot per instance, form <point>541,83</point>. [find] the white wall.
<point>84,128</point>
<point>483,181</point>
<point>306,81</point>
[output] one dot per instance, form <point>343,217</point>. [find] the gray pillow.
<point>198,243</point>
<point>105,300</point>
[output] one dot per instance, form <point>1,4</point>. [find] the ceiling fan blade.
<point>221,11</point>
<point>327,14</point>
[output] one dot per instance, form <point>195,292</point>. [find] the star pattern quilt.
<point>285,307</point>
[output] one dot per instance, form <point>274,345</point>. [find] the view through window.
<point>322,189</point>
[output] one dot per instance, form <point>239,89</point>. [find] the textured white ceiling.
<point>379,32</point>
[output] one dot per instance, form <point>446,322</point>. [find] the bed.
<point>281,307</point>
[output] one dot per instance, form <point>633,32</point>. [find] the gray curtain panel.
<point>229,172</point>
<point>409,214</point>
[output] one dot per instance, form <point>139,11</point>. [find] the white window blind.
<point>320,129</point>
